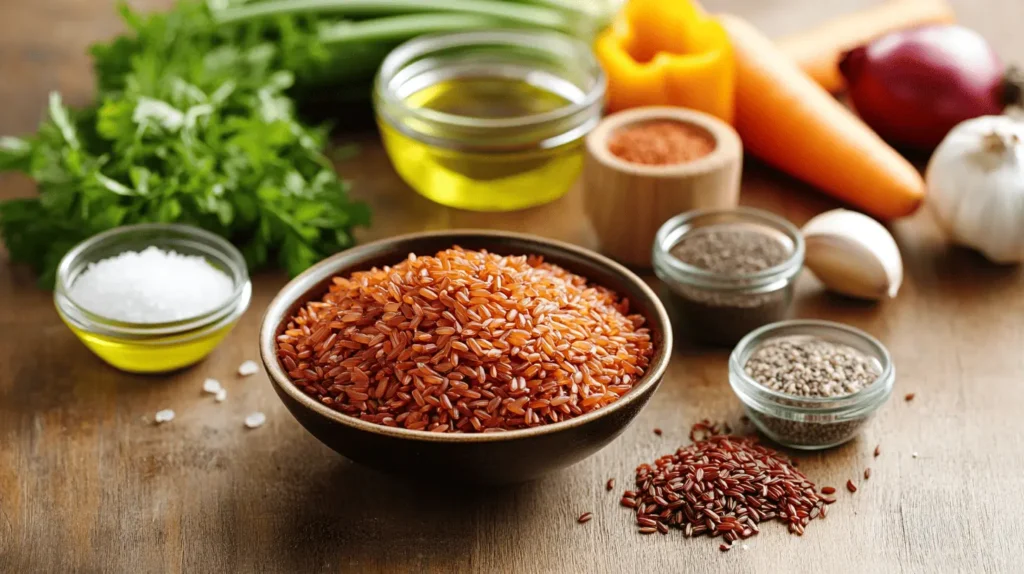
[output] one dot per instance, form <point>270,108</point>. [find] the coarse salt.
<point>222,395</point>
<point>164,416</point>
<point>212,386</point>
<point>248,368</point>
<point>255,420</point>
<point>151,286</point>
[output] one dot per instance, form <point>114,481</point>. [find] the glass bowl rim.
<point>238,273</point>
<point>770,279</point>
<point>864,401</point>
<point>405,53</point>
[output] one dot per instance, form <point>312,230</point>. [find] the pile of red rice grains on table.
<point>466,341</point>
<point>723,486</point>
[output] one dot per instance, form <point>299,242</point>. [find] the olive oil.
<point>491,161</point>
<point>487,98</point>
<point>151,356</point>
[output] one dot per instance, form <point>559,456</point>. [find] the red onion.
<point>913,86</point>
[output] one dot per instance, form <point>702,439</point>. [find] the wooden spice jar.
<point>627,201</point>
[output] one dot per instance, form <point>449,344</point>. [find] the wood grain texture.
<point>88,485</point>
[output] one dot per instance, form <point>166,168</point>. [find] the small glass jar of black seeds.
<point>810,384</point>
<point>728,271</point>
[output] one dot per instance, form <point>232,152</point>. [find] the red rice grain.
<point>878,450</point>
<point>867,473</point>
<point>851,486</point>
<point>465,341</point>
<point>657,432</point>
<point>585,517</point>
<point>909,397</point>
<point>704,429</point>
<point>610,484</point>
<point>723,486</point>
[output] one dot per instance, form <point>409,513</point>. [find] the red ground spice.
<point>661,142</point>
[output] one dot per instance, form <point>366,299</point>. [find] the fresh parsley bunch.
<point>192,124</point>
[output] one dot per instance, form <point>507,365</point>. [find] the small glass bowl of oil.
<point>489,120</point>
<point>153,347</point>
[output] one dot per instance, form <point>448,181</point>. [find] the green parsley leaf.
<point>192,124</point>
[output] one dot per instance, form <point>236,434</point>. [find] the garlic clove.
<point>853,255</point>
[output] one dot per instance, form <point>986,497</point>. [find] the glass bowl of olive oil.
<point>489,120</point>
<point>153,347</point>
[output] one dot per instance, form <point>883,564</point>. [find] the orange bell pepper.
<point>668,52</point>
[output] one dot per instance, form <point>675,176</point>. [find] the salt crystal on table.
<point>164,416</point>
<point>222,394</point>
<point>248,368</point>
<point>255,420</point>
<point>211,386</point>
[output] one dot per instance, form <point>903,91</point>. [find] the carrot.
<point>819,50</point>
<point>792,123</point>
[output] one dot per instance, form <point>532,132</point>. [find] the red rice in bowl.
<point>465,341</point>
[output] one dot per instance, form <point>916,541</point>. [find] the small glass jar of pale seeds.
<point>811,384</point>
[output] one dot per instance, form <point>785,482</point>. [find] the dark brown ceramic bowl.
<point>507,457</point>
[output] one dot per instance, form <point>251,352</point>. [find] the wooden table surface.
<point>88,485</point>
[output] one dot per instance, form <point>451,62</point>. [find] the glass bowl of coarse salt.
<point>810,384</point>
<point>152,298</point>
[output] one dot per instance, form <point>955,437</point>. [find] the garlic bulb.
<point>976,186</point>
<point>853,254</point>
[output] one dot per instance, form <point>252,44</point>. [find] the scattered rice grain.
<point>248,368</point>
<point>705,429</point>
<point>255,420</point>
<point>211,386</point>
<point>722,486</point>
<point>164,416</point>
